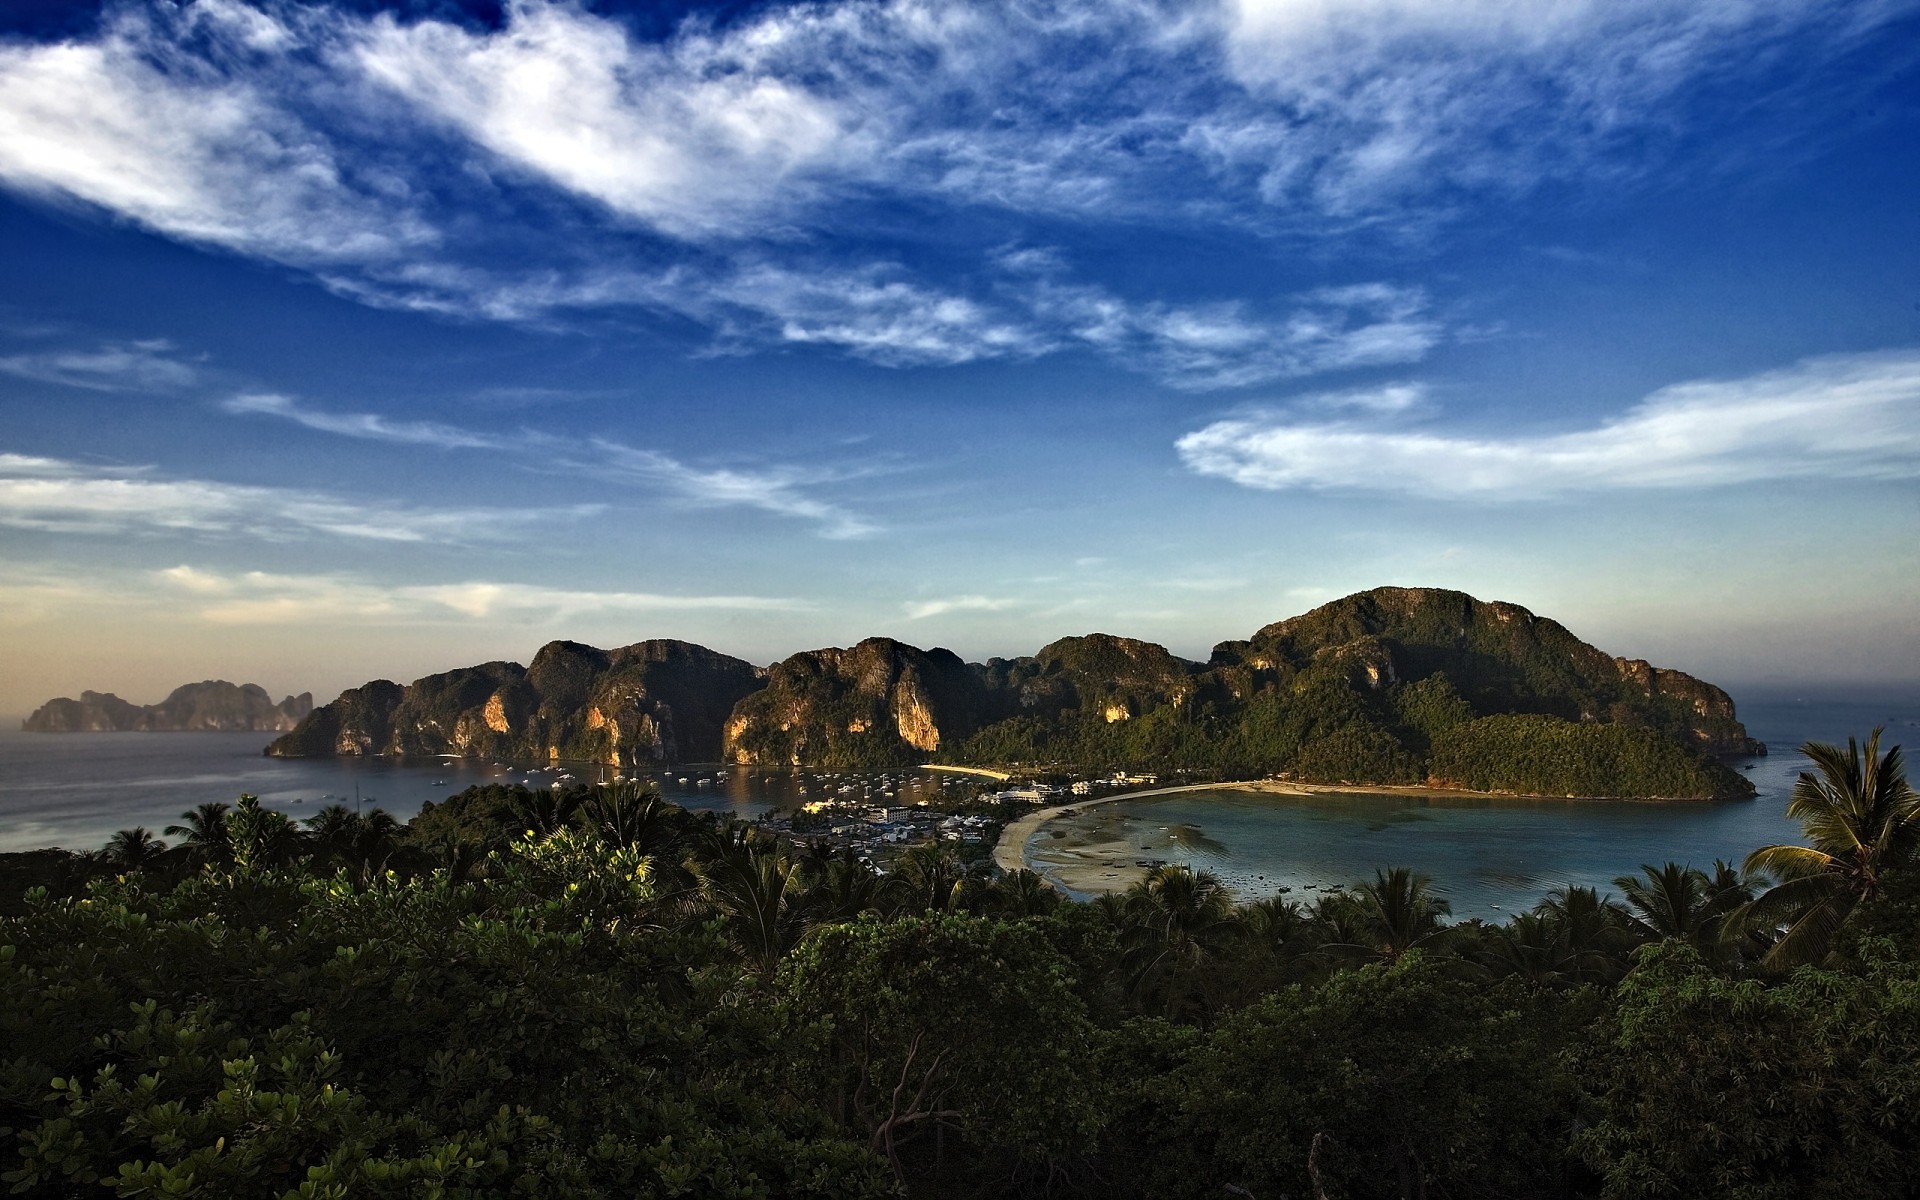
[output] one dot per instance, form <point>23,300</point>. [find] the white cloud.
<point>879,316</point>
<point>1843,417</point>
<point>919,610</point>
<point>264,598</point>
<point>368,425</point>
<point>69,497</point>
<point>1226,346</point>
<point>148,365</point>
<point>692,136</point>
<point>710,172</point>
<point>174,119</point>
<point>1385,398</point>
<point>778,490</point>
<point>1394,100</point>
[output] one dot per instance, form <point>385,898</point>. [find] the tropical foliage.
<point>597,994</point>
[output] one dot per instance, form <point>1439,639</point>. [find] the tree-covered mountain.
<point>1393,685</point>
<point>651,702</point>
<point>210,706</point>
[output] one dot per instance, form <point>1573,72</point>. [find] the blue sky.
<point>349,340</point>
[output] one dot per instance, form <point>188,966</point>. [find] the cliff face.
<point>211,706</point>
<point>1376,687</point>
<point>654,702</point>
<point>880,703</point>
<point>1120,678</point>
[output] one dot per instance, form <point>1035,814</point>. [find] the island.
<point>211,706</point>
<point>1393,686</point>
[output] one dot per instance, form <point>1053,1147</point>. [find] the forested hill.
<point>1392,685</point>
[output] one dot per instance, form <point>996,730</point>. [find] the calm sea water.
<point>1486,857</point>
<point>75,789</point>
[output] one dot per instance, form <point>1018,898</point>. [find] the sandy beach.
<point>1114,866</point>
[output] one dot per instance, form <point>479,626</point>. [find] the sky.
<point>350,340</point>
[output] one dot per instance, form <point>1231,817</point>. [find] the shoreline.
<point>1010,851</point>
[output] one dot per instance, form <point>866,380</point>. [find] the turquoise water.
<point>1487,857</point>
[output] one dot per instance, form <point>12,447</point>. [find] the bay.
<point>1488,857</point>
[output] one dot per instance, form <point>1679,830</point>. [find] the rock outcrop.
<point>1373,688</point>
<point>880,703</point>
<point>207,707</point>
<point>655,702</point>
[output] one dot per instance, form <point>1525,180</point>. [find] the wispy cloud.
<point>265,598</point>
<point>396,158</point>
<point>1839,417</point>
<point>148,365</point>
<point>920,610</point>
<point>60,496</point>
<point>186,120</point>
<point>1227,345</point>
<point>367,425</point>
<point>696,136</point>
<point>778,490</point>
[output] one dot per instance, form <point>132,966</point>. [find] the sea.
<point>1486,857</point>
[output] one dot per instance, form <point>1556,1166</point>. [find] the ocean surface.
<point>75,790</point>
<point>1487,857</point>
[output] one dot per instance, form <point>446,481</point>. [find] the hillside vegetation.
<point>1389,686</point>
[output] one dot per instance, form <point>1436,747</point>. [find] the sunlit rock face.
<point>878,703</point>
<point>1364,688</point>
<point>210,706</point>
<point>652,702</point>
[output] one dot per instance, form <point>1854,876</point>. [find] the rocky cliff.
<point>653,702</point>
<point>1377,687</point>
<point>210,706</point>
<point>880,703</point>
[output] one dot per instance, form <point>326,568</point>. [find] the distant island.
<point>1388,686</point>
<point>213,705</point>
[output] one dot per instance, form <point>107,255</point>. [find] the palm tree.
<point>1533,946</point>
<point>1863,820</point>
<point>630,816</point>
<point>1593,931</point>
<point>846,889</point>
<point>333,829</point>
<point>1398,912</point>
<point>1021,893</point>
<point>929,878</point>
<point>1178,922</point>
<point>1669,902</point>
<point>260,836</point>
<point>134,849</point>
<point>759,891</point>
<point>204,833</point>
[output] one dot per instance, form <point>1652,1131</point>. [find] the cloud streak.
<point>265,598</point>
<point>60,496</point>
<point>1837,417</point>
<point>707,172</point>
<point>778,490</point>
<point>920,610</point>
<point>148,365</point>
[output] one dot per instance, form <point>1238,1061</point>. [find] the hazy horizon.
<point>343,341</point>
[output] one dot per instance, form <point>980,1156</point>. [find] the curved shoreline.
<point>1010,852</point>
